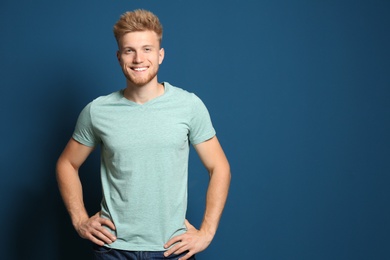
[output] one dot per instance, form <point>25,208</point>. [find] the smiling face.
<point>139,56</point>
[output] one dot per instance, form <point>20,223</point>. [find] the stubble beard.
<point>140,81</point>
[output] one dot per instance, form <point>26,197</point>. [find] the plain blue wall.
<point>298,92</point>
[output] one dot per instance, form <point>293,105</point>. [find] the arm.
<point>70,187</point>
<point>194,241</point>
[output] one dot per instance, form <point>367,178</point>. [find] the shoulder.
<point>180,93</point>
<point>105,101</point>
<point>100,103</point>
<point>108,99</point>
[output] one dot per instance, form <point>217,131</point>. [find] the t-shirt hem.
<point>203,138</point>
<point>137,247</point>
<point>82,141</point>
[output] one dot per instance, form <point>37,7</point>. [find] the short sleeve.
<point>84,132</point>
<point>201,127</point>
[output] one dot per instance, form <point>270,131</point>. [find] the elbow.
<point>60,168</point>
<point>222,171</point>
<point>64,167</point>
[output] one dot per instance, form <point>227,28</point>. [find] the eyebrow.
<point>144,46</point>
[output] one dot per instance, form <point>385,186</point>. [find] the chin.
<point>140,81</point>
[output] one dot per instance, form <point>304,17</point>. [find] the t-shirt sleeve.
<point>84,132</point>
<point>201,127</point>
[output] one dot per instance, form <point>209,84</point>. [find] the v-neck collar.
<point>149,102</point>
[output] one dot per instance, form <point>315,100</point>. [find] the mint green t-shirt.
<point>144,162</point>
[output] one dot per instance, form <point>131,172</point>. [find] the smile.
<point>140,69</point>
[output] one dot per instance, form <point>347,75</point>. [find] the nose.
<point>138,57</point>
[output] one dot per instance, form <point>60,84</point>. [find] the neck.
<point>144,93</point>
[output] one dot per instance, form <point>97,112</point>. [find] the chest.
<point>136,130</point>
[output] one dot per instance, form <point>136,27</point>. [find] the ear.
<point>118,56</point>
<point>161,54</point>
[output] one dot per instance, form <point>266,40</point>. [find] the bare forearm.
<point>71,191</point>
<point>92,228</point>
<point>215,201</point>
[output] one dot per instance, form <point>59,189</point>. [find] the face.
<point>140,55</point>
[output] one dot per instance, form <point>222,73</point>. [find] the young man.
<point>144,132</point>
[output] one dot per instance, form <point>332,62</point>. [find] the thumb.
<point>188,225</point>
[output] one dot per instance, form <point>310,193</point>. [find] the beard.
<point>139,80</point>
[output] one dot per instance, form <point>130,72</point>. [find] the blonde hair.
<point>136,21</point>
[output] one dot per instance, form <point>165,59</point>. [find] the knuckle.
<point>95,224</point>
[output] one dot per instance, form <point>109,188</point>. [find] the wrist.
<point>77,221</point>
<point>208,233</point>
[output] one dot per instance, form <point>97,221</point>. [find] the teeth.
<point>139,69</point>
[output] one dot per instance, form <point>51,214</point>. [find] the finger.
<point>95,240</point>
<point>107,222</point>
<point>103,234</point>
<point>103,221</point>
<point>175,249</point>
<point>102,237</point>
<point>180,250</point>
<point>94,228</point>
<point>107,233</point>
<point>173,241</point>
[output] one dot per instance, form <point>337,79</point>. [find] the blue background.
<point>298,92</point>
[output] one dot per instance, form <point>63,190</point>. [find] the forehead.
<point>138,39</point>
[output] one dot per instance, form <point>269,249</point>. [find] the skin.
<point>139,56</point>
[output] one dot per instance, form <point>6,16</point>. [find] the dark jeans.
<point>105,253</point>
